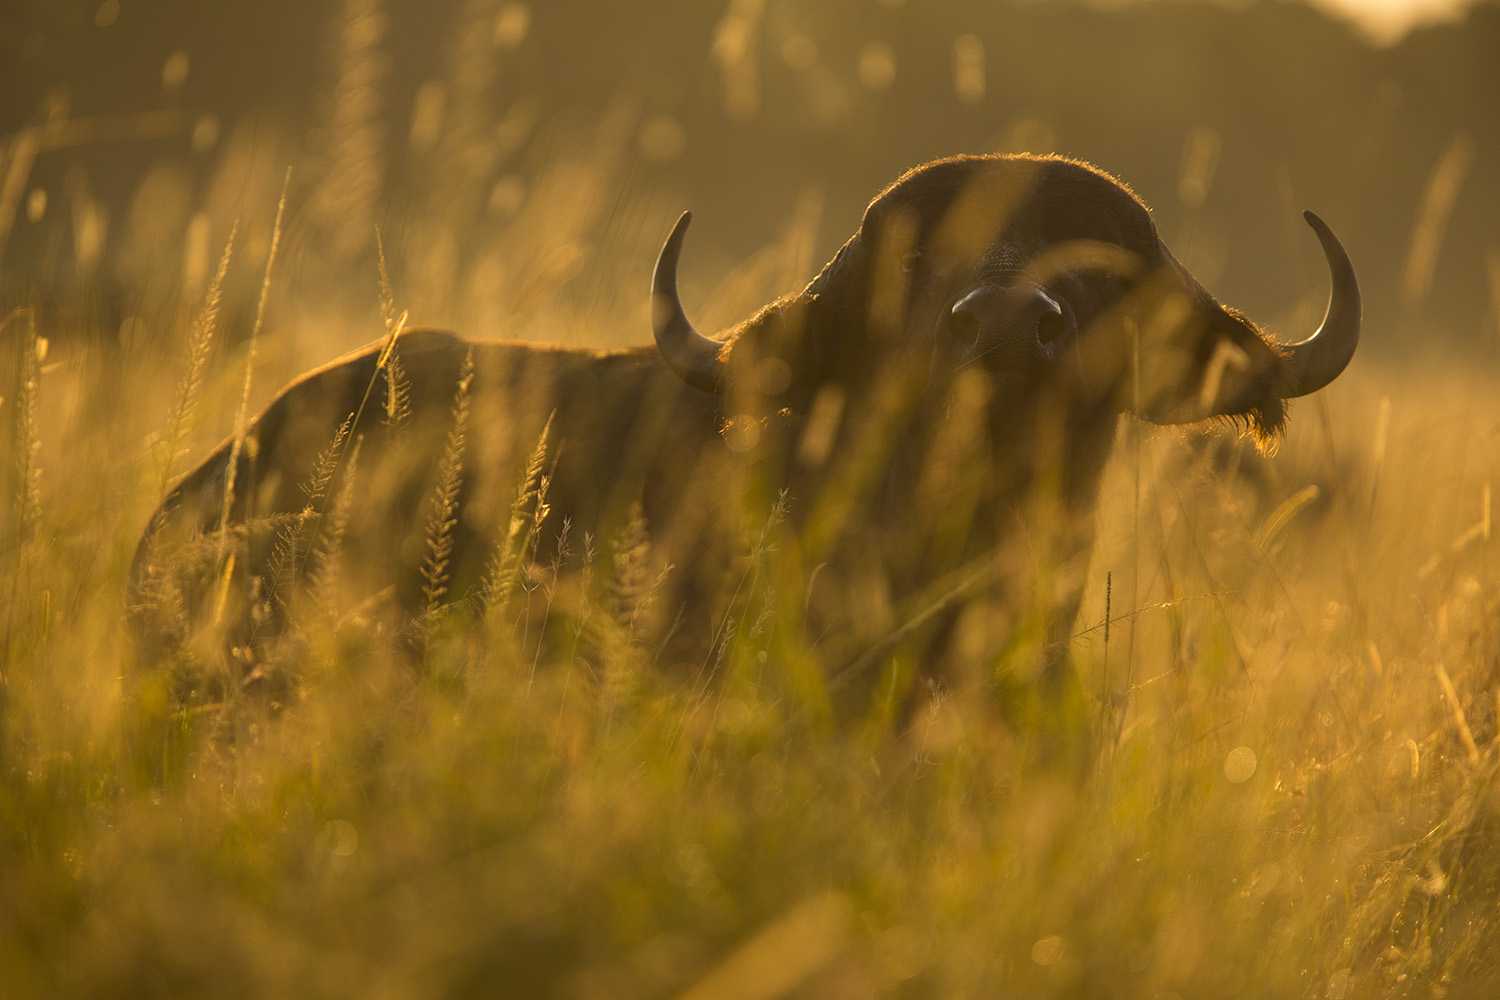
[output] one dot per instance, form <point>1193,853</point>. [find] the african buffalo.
<point>937,406</point>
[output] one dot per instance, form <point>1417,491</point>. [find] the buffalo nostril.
<point>1051,325</point>
<point>964,324</point>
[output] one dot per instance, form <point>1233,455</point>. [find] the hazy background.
<point>137,133</point>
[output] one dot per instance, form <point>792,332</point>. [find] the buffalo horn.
<point>1319,359</point>
<point>694,357</point>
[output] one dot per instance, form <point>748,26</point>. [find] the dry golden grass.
<point>1292,794</point>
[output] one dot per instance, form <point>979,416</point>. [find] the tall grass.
<point>1296,796</point>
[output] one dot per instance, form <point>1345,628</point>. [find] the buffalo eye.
<point>909,261</point>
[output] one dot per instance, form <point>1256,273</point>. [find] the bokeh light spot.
<point>731,40</point>
<point>1239,765</point>
<point>968,68</point>
<point>205,133</point>
<point>662,139</point>
<point>877,66</point>
<point>512,23</point>
<point>343,838</point>
<point>174,72</point>
<point>516,126</point>
<point>799,52</point>
<point>1047,951</point>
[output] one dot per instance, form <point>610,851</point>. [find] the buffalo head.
<point>992,316</point>
<point>1045,275</point>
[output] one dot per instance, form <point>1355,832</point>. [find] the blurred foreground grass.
<point>1293,795</point>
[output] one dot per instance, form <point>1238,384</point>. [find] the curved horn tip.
<point>694,357</point>
<point>1320,359</point>
<point>679,229</point>
<point>664,279</point>
<point>1315,220</point>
